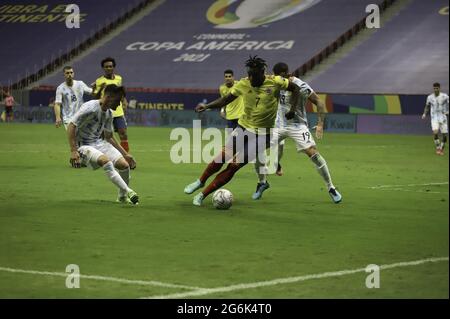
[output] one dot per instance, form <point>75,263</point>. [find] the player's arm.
<point>97,89</point>
<point>321,110</point>
<point>295,96</point>
<point>124,104</point>
<point>109,137</point>
<point>74,155</point>
<point>57,108</point>
<point>426,109</point>
<point>217,104</point>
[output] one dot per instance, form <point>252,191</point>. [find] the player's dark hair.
<point>279,68</point>
<point>108,59</point>
<point>437,85</point>
<point>255,63</point>
<point>67,67</point>
<point>114,90</point>
<point>228,71</point>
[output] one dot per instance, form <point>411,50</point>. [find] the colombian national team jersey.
<point>71,98</point>
<point>235,109</point>
<point>117,81</point>
<point>284,105</point>
<point>261,103</point>
<point>91,121</point>
<point>438,104</point>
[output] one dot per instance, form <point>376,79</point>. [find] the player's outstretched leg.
<point>210,170</point>
<point>221,179</point>
<point>322,168</point>
<point>117,180</point>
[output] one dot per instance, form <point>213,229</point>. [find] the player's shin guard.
<point>125,174</point>
<point>224,177</point>
<point>322,168</point>
<point>261,170</point>
<point>114,177</point>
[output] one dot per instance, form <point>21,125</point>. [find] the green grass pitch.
<point>52,215</point>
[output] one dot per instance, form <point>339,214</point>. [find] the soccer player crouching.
<point>87,147</point>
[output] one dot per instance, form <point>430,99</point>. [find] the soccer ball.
<point>222,199</point>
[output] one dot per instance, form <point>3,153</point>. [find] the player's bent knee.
<point>311,151</point>
<point>121,164</point>
<point>102,160</point>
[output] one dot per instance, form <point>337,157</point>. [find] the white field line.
<point>103,278</point>
<point>407,185</point>
<point>408,190</point>
<point>289,280</point>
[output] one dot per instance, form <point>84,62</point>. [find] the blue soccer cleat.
<point>260,188</point>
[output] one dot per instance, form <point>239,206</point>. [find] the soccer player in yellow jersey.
<point>235,109</point>
<point>260,95</point>
<point>119,122</point>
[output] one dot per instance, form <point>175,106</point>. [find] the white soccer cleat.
<point>335,195</point>
<point>193,187</point>
<point>198,199</point>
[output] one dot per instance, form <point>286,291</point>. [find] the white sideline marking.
<point>407,185</point>
<point>207,291</point>
<point>408,190</point>
<point>94,277</point>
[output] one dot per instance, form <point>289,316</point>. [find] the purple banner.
<point>393,124</point>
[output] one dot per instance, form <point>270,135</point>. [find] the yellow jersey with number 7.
<point>261,103</point>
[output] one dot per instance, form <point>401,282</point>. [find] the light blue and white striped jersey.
<point>91,121</point>
<point>284,105</point>
<point>71,98</point>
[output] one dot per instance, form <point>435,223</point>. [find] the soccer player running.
<point>437,103</point>
<point>120,124</point>
<point>69,95</point>
<point>235,109</point>
<point>87,146</point>
<point>292,122</point>
<point>260,95</point>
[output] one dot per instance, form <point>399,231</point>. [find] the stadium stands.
<point>187,44</point>
<point>35,34</point>
<point>405,56</point>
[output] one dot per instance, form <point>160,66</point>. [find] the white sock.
<point>125,174</point>
<point>114,177</point>
<point>322,168</point>
<point>261,171</point>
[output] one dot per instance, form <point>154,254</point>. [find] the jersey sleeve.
<point>80,116</point>
<point>98,84</point>
<point>428,103</point>
<point>237,88</point>
<point>305,89</point>
<point>109,125</point>
<point>86,89</point>
<point>281,82</point>
<point>58,97</point>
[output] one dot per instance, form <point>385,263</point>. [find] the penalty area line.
<point>289,280</point>
<point>102,278</point>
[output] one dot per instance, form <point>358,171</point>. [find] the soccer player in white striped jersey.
<point>437,103</point>
<point>292,122</point>
<point>87,146</point>
<point>69,95</point>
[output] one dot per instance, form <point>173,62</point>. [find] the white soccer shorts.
<point>439,123</point>
<point>299,133</point>
<point>90,153</point>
